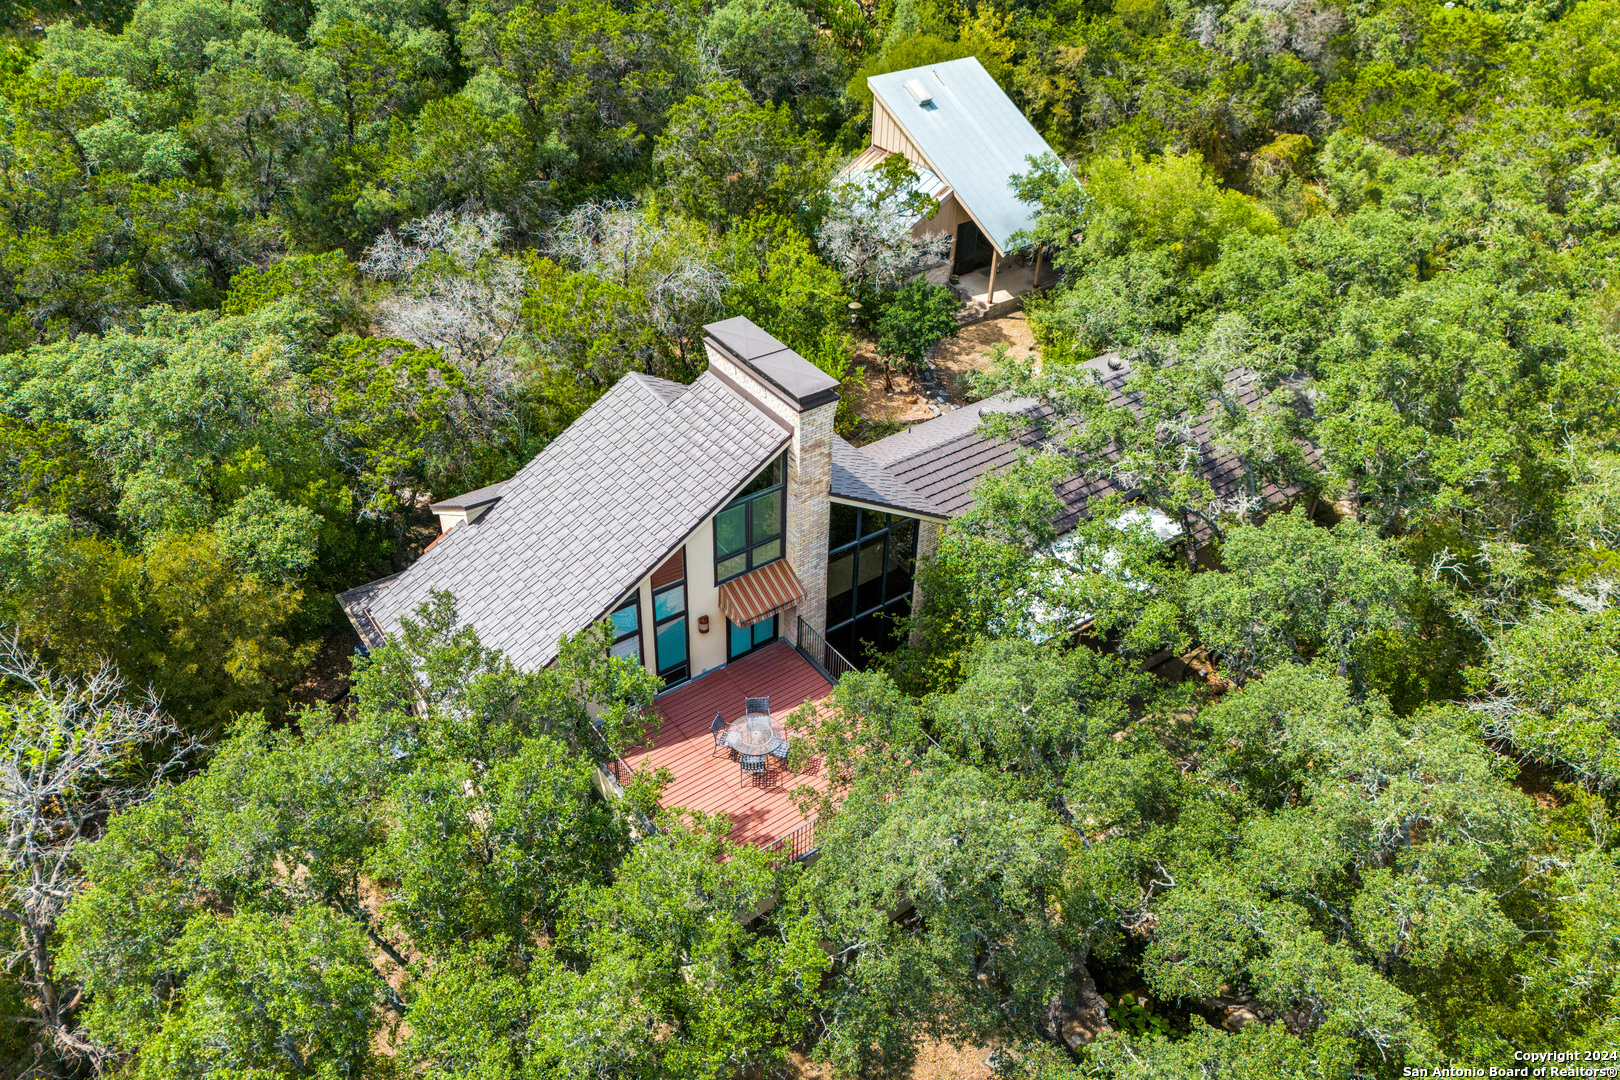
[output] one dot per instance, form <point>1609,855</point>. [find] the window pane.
<point>843,640</point>
<point>669,602</point>
<point>626,619</point>
<point>767,512</point>
<point>771,477</point>
<point>765,631</point>
<point>841,526</point>
<point>902,542</point>
<point>766,552</point>
<point>731,567</point>
<point>731,530</point>
<point>740,640</point>
<point>670,642</point>
<point>872,521</point>
<point>869,589</point>
<point>840,588</point>
<point>874,634</point>
<point>630,647</point>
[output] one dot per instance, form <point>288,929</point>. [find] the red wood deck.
<point>760,813</point>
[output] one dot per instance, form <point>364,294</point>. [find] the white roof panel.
<point>973,134</point>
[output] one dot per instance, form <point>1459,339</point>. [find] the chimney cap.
<point>790,376</point>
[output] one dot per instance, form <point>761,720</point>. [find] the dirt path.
<point>969,350</point>
<point>935,1061</point>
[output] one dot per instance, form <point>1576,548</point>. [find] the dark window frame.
<point>886,605</point>
<point>633,603</point>
<point>750,543</point>
<point>776,634</point>
<point>685,666</point>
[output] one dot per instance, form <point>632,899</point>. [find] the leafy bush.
<point>920,316</point>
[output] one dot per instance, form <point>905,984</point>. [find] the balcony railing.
<point>796,845</point>
<point>619,769</point>
<point>831,662</point>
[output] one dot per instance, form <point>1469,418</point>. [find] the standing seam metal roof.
<point>973,134</point>
<point>597,509</point>
<point>861,171</point>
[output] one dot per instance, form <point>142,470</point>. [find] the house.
<point>736,545</point>
<point>966,140</point>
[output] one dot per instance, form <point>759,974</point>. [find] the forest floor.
<point>883,413</point>
<point>935,1061</point>
<point>326,677</point>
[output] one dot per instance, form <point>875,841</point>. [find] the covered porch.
<point>1006,278</point>
<point>761,811</point>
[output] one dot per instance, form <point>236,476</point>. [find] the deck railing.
<point>620,771</point>
<point>829,659</point>
<point>796,845</point>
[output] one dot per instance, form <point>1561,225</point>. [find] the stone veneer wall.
<point>809,483</point>
<point>809,511</point>
<point>927,544</point>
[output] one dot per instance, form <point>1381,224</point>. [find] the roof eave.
<point>890,508</point>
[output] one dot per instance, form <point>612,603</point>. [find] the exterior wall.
<point>927,544</point>
<point>705,652</point>
<point>889,135</point>
<point>945,221</point>
<point>809,483</point>
<point>808,511</point>
<point>451,518</point>
<point>703,598</point>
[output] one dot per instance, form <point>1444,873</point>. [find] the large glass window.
<point>871,564</point>
<point>742,640</point>
<point>627,630</point>
<point>669,633</point>
<point>748,532</point>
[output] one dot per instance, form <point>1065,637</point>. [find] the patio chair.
<point>717,728</point>
<point>779,751</point>
<point>751,765</point>
<point>757,706</point>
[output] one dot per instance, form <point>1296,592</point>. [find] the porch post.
<point>990,297</point>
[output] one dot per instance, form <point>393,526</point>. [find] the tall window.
<point>742,640</point>
<point>748,532</point>
<point>870,564</point>
<point>627,629</point>
<point>669,633</point>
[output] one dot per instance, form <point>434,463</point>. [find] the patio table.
<point>754,734</point>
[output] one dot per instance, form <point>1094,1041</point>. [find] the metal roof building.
<point>955,120</point>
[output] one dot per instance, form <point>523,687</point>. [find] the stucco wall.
<point>705,652</point>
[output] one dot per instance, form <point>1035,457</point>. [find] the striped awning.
<point>759,594</point>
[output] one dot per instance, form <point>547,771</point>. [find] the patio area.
<point>1015,277</point>
<point>761,812</point>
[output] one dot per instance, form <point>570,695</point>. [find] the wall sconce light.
<point>703,624</point>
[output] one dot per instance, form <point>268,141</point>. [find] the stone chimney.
<point>785,384</point>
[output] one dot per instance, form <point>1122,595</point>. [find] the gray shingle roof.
<point>973,134</point>
<point>856,476</point>
<point>942,459</point>
<point>597,509</point>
